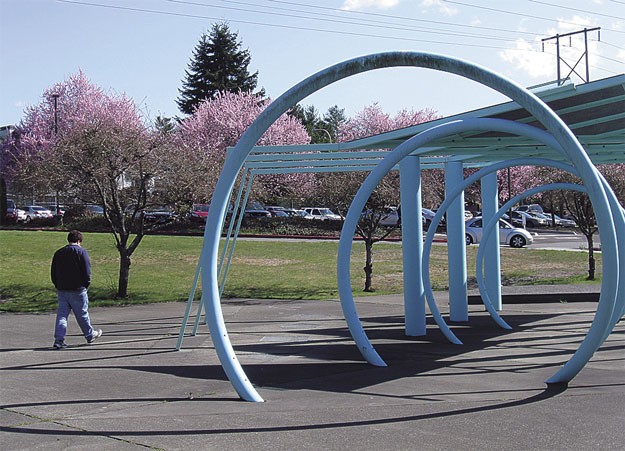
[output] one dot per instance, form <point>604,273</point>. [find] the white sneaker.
<point>96,333</point>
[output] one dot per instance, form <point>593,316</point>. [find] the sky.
<point>143,47</point>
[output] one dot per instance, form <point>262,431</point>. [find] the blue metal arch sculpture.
<point>409,147</point>
<point>235,160</point>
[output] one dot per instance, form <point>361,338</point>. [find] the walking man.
<point>71,275</point>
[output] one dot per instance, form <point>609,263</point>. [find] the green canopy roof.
<point>594,111</point>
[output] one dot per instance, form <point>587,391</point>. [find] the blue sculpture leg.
<point>456,247</point>
<point>412,245</point>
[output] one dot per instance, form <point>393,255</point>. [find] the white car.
<point>322,213</point>
<point>36,212</point>
<point>563,222</point>
<point>530,220</point>
<point>292,212</point>
<point>21,215</point>
<point>512,236</point>
<point>389,217</point>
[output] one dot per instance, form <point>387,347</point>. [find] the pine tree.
<point>333,120</point>
<point>218,64</point>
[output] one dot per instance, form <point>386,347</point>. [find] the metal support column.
<point>412,245</point>
<point>456,245</point>
<point>492,260</point>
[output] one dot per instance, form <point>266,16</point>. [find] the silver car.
<point>512,236</point>
<point>36,212</point>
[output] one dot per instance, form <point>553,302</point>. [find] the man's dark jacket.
<point>71,268</point>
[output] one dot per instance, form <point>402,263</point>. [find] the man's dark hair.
<point>74,236</point>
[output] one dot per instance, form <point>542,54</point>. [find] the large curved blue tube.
<point>234,162</point>
<point>487,230</point>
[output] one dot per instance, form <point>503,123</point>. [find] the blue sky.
<point>142,47</point>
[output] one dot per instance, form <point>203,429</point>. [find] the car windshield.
<point>325,211</point>
<point>201,207</point>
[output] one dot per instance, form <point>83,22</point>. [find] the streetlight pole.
<point>325,131</point>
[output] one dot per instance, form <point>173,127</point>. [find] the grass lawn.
<point>163,268</point>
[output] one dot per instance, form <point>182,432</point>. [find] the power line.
<point>576,9</point>
<point>410,19</point>
<point>519,14</point>
<point>290,27</point>
<point>332,18</point>
<point>293,27</point>
<point>612,45</point>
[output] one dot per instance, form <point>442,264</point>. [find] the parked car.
<point>159,214</point>
<point>57,210</point>
<point>543,220</point>
<point>256,213</point>
<point>519,217</point>
<point>94,210</point>
<point>199,212</point>
<point>389,216</point>
<point>322,213</point>
<point>11,215</point>
<point>21,215</point>
<point>530,208</point>
<point>512,236</point>
<point>295,213</point>
<point>36,212</point>
<point>426,217</point>
<point>277,212</point>
<point>563,222</point>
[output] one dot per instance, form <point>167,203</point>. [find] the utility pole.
<point>584,55</point>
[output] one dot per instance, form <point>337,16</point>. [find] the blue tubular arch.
<point>234,162</point>
<point>399,153</point>
<point>525,130</point>
<point>488,228</point>
<point>369,184</point>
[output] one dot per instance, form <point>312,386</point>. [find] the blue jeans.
<point>78,302</point>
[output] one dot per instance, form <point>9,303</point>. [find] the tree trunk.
<point>368,265</point>
<point>124,272</point>
<point>591,258</point>
<point>3,201</point>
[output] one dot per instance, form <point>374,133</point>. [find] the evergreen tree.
<point>333,120</point>
<point>218,64</point>
<point>321,130</point>
<point>165,125</point>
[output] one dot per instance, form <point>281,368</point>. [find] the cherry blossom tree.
<point>94,146</point>
<point>219,123</point>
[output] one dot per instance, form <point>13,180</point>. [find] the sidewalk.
<point>132,390</point>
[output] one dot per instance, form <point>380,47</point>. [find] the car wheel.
<point>28,219</point>
<point>517,241</point>
<point>468,239</point>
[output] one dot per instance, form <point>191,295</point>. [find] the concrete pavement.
<point>132,390</point>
